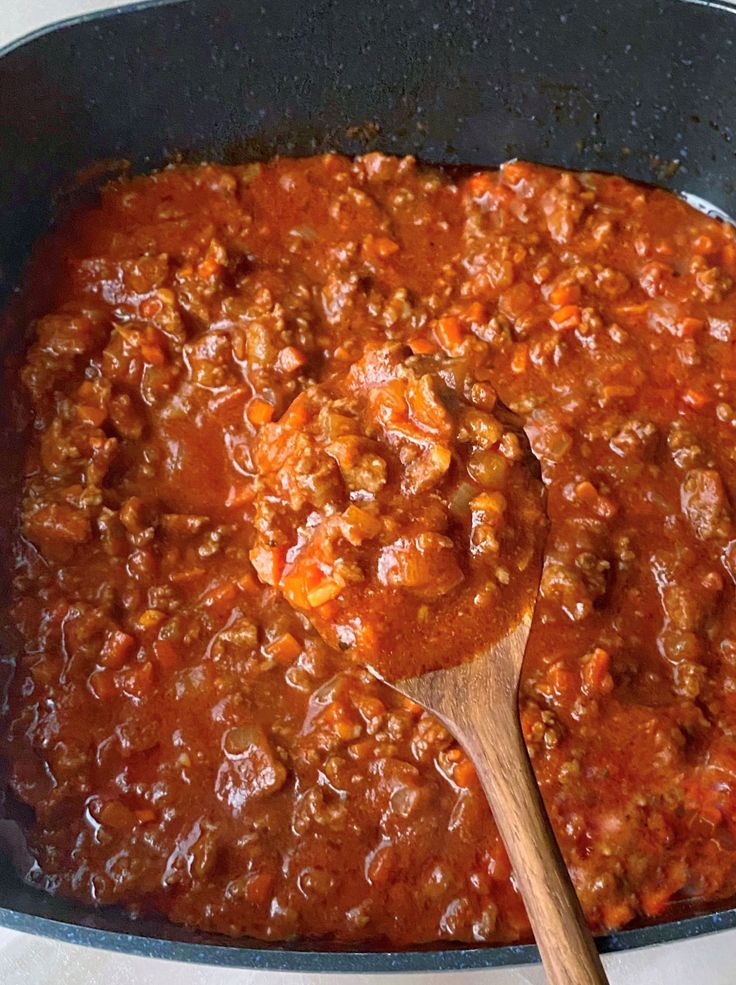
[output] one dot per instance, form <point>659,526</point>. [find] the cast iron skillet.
<point>643,89</point>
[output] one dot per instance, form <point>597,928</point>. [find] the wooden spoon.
<point>477,702</point>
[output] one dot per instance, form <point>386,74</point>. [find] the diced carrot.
<point>361,522</point>
<point>494,503</point>
<point>441,457</point>
<point>541,274</point>
<point>596,672</point>
<point>290,360</point>
<point>327,590</point>
<point>247,582</point>
<point>695,399</point>
<point>587,493</point>
<point>519,358</point>
<point>103,684</point>
<point>379,247</point>
<point>284,650</point>
<point>220,595</point>
<point>214,260</point>
<point>95,416</point>
<point>422,346</point>
<point>296,414</point>
<point>689,327</point>
<point>567,318</point>
<point>259,888</point>
<point>332,163</point>
<point>295,588</point>
<point>167,654</point>
<point>499,866</point>
<point>589,496</point>
<point>631,309</point>
<point>269,563</point>
<point>480,183</point>
<point>329,611</point>
<point>153,354</point>
<point>145,815</point>
<point>185,575</point>
<point>138,681</point>
<point>616,391</point>
<point>703,244</point>
<point>150,618</point>
<point>564,294</point>
<point>449,332</point>
<point>475,313</point>
<point>515,171</point>
<point>116,649</point>
<point>150,307</point>
<point>259,411</point>
<point>464,774</point>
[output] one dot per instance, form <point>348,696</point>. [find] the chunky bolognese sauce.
<point>269,440</point>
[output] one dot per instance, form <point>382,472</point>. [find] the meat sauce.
<point>271,440</point>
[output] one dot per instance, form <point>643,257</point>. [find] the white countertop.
<point>27,960</point>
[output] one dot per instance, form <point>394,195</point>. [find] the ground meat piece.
<point>723,329</point>
<point>56,528</point>
<point>425,565</point>
<point>714,283</point>
<point>705,504</point>
<point>635,439</point>
<point>564,584</point>
<point>209,358</point>
<point>563,208</point>
<point>195,855</point>
<point>361,466</point>
<point>252,769</point>
<point>684,447</point>
<point>296,468</point>
<point>427,469</point>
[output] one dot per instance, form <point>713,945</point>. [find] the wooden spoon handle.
<point>478,702</point>
<point>496,746</point>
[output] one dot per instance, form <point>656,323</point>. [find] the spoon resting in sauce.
<point>412,520</point>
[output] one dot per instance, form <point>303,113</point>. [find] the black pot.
<point>643,89</point>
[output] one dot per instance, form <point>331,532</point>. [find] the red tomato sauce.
<point>270,441</point>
